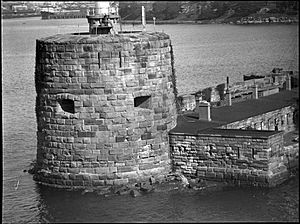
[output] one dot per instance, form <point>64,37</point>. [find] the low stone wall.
<point>281,119</point>
<point>240,91</point>
<point>291,153</point>
<point>243,158</point>
<point>282,162</point>
<point>268,92</point>
<point>188,102</point>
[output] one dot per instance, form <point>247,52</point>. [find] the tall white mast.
<point>143,18</point>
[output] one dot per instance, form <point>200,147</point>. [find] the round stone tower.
<point>104,107</point>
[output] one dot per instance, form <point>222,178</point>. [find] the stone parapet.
<point>240,91</point>
<point>280,120</point>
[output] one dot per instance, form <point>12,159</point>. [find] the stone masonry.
<point>104,107</point>
<point>238,156</point>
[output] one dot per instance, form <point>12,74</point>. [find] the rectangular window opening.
<point>67,105</point>
<point>142,102</point>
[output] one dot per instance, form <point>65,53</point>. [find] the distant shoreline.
<point>160,22</point>
<point>135,22</point>
<point>15,16</point>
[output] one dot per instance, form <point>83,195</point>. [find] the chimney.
<point>228,93</point>
<point>228,98</point>
<point>204,111</point>
<point>98,8</point>
<point>288,83</point>
<point>255,92</point>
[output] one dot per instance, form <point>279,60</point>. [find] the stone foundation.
<point>241,157</point>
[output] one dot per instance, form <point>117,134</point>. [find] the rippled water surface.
<point>204,56</point>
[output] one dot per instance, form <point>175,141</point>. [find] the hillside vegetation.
<point>205,10</point>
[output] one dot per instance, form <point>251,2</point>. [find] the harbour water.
<point>204,56</point>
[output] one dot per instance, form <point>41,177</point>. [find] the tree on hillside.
<point>221,6</point>
<point>201,10</point>
<point>287,6</point>
<point>166,10</point>
<point>245,8</point>
<point>129,10</point>
<point>213,10</point>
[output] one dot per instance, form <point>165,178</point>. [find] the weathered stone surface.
<point>135,193</point>
<point>102,102</point>
<point>146,187</point>
<point>246,159</point>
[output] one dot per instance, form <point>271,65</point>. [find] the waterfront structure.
<point>242,143</point>
<point>107,115</point>
<point>105,104</point>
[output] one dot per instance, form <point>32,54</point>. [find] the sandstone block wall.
<point>281,120</point>
<point>104,107</point>
<point>281,162</point>
<point>241,159</point>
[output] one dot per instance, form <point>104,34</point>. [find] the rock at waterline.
<point>184,180</point>
<point>122,190</point>
<point>32,171</point>
<point>193,183</point>
<point>135,193</point>
<point>146,187</point>
<point>87,191</point>
<point>152,180</point>
<point>102,190</point>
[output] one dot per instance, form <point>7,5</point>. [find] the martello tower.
<point>105,104</point>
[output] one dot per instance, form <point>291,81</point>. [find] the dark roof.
<point>252,107</point>
<point>188,123</point>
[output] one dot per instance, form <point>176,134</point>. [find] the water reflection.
<point>204,55</point>
<point>230,204</point>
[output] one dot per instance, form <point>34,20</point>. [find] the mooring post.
<point>255,92</point>
<point>288,84</point>
<point>228,93</point>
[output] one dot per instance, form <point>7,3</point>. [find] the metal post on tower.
<point>143,18</point>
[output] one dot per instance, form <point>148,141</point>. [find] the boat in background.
<point>54,12</point>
